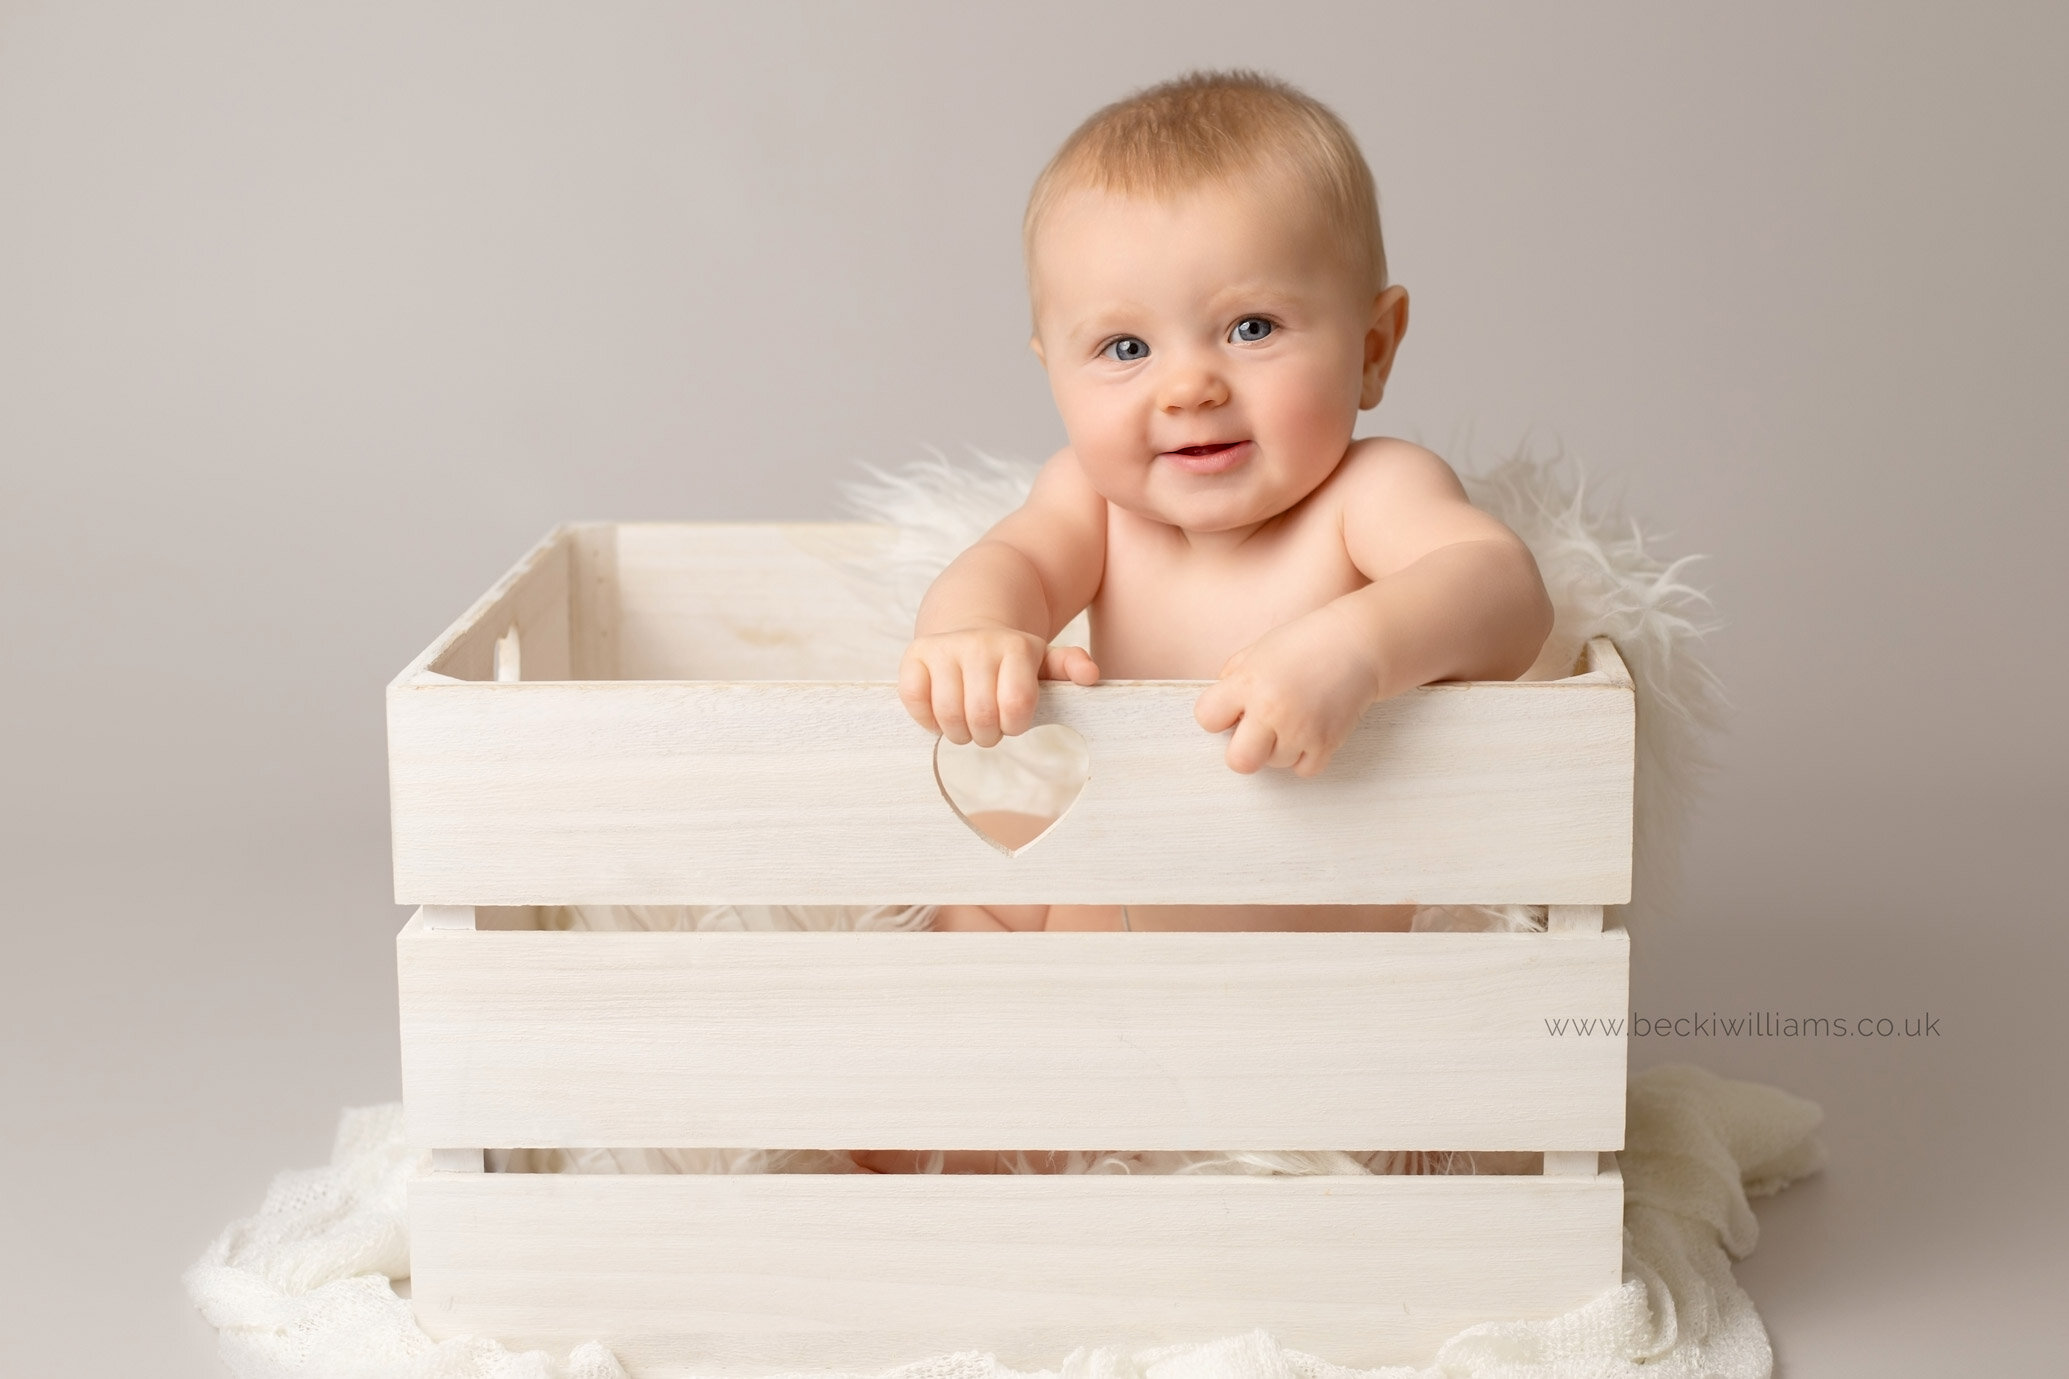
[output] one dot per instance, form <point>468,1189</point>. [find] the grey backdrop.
<point>312,317</point>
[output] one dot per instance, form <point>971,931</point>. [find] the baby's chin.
<point>1255,491</point>
<point>1205,513</point>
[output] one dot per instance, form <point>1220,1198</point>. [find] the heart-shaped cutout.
<point>1013,793</point>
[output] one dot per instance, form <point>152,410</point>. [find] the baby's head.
<point>1210,297</point>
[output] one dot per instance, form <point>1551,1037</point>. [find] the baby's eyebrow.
<point>1239,296</point>
<point>1103,326</point>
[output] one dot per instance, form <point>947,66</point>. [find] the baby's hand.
<point>978,683</point>
<point>1293,695</point>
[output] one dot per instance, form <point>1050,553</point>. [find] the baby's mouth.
<point>1209,459</point>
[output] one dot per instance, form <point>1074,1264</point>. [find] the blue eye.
<point>1127,349</point>
<point>1250,330</point>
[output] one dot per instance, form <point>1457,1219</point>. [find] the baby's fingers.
<point>1287,751</point>
<point>1017,691</point>
<point>981,703</point>
<point>915,691</point>
<point>1315,751</point>
<point>1252,745</point>
<point>947,699</point>
<point>1218,706</point>
<point>1072,663</point>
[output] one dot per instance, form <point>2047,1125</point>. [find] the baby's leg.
<point>957,1160</point>
<point>990,918</point>
<point>1014,830</point>
<point>1027,918</point>
<point>1282,918</point>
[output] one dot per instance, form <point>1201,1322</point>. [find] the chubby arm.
<point>982,639</point>
<point>1455,595</point>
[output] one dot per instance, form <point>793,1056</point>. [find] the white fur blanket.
<point>305,1289</point>
<point>302,1289</point>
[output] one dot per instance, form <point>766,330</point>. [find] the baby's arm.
<point>984,627</point>
<point>1455,595</point>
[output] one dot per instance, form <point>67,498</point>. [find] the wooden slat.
<point>1600,661</point>
<point>666,793</point>
<point>533,597</point>
<point>657,793</point>
<point>592,600</point>
<point>1012,1041</point>
<point>763,1272</point>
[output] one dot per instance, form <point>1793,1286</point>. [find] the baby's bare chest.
<point>1166,611</point>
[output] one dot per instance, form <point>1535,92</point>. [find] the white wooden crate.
<point>693,714</point>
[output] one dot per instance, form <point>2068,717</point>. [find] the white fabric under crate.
<point>304,1289</point>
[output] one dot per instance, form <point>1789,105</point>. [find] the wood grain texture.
<point>763,1272</point>
<point>751,601</point>
<point>592,600</point>
<point>671,787</point>
<point>667,793</point>
<point>1355,1041</point>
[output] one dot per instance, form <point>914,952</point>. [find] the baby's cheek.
<point>1323,426</point>
<point>1111,452</point>
<point>1317,408</point>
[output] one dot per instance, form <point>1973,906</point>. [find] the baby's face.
<point>1209,353</point>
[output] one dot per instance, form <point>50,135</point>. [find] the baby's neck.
<point>1218,544</point>
<point>1210,545</point>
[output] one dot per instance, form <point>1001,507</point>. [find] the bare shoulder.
<point>1061,482</point>
<point>1381,466</point>
<point>1399,502</point>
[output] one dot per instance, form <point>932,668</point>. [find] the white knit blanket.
<point>304,1288</point>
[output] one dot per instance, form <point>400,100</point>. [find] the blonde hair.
<point>1211,127</point>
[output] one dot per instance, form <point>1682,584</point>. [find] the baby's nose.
<point>1188,387</point>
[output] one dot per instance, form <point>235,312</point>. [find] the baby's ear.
<point>1382,343</point>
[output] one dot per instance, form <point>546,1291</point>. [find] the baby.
<point>1211,304</point>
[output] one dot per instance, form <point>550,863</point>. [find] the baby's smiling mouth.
<point>1209,459</point>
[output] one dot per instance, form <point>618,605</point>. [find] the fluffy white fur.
<point>302,1290</point>
<point>1605,582</point>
